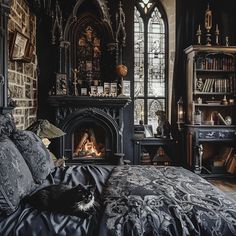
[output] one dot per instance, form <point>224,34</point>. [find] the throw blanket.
<point>141,200</point>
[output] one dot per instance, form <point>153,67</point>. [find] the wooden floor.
<point>226,185</point>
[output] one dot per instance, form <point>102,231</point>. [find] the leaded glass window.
<point>150,79</point>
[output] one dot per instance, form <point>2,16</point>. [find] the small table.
<point>151,145</point>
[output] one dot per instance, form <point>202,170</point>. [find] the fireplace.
<point>93,127</point>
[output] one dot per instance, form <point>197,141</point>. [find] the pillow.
<point>7,125</point>
<point>35,154</point>
<point>16,180</point>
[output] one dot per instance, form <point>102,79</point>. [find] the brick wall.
<point>22,76</point>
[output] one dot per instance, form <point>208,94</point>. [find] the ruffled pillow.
<point>35,154</point>
<point>16,180</point>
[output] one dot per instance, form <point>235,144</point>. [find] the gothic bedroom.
<point>117,117</point>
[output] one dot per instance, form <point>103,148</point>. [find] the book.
<point>231,167</point>
<point>222,119</point>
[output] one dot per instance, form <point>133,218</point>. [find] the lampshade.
<point>44,129</point>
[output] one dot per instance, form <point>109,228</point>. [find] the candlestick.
<point>217,34</point>
<point>208,25</point>
<point>227,41</point>
<point>199,32</point>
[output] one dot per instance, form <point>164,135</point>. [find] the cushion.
<point>35,154</point>
<point>16,180</point>
<point>7,125</point>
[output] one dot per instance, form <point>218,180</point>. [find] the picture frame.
<point>61,84</point>
<point>148,131</point>
<point>84,91</point>
<point>19,46</point>
<point>93,90</point>
<point>99,90</point>
<point>126,88</point>
<point>106,89</point>
<point>29,55</point>
<point>113,88</point>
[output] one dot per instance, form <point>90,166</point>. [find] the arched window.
<point>150,62</point>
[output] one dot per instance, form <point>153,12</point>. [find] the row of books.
<point>224,63</point>
<point>216,85</point>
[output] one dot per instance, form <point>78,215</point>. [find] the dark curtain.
<point>189,14</point>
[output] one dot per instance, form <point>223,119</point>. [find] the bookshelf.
<point>211,107</point>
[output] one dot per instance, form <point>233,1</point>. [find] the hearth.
<point>93,127</point>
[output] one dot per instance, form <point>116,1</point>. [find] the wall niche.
<point>88,49</point>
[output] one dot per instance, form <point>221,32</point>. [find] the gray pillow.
<point>35,154</point>
<point>16,180</point>
<point>7,125</point>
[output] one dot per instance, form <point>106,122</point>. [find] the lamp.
<point>180,111</point>
<point>45,130</point>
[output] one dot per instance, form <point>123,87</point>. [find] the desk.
<point>151,145</point>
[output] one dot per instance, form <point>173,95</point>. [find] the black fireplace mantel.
<point>56,101</point>
<point>71,112</point>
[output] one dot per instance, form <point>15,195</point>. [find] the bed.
<point>134,200</point>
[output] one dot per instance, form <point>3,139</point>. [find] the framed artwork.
<point>19,46</point>
<point>100,90</point>
<point>84,91</point>
<point>113,91</point>
<point>93,90</point>
<point>106,88</point>
<point>126,88</point>
<point>61,84</point>
<point>148,132</point>
<point>29,52</point>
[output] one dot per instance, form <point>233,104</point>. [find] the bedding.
<point>34,152</point>
<point>134,200</point>
<point>16,180</point>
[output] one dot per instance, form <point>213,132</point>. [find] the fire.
<point>87,146</point>
<point>91,149</point>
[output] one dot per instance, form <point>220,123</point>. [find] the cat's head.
<point>84,193</point>
<point>84,196</point>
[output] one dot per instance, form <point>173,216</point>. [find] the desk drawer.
<point>217,134</point>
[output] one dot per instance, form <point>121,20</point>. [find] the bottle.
<point>197,117</point>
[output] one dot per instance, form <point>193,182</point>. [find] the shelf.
<point>213,105</point>
<point>214,71</point>
<point>211,93</point>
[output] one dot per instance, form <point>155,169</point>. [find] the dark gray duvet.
<point>135,200</point>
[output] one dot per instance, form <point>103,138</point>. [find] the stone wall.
<point>22,76</point>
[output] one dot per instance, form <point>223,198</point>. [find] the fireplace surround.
<point>93,127</point>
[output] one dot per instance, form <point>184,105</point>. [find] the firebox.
<point>90,141</point>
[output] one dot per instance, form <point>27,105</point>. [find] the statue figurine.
<point>163,127</point>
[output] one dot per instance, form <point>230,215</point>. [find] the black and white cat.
<point>78,200</point>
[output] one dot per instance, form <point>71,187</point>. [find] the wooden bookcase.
<point>211,106</point>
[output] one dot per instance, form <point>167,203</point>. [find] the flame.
<point>89,149</point>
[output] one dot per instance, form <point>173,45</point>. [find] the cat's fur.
<point>61,198</point>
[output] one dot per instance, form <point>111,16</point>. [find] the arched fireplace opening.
<point>91,136</point>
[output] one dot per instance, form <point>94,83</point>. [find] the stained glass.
<point>138,110</point>
<point>153,106</point>
<point>138,55</point>
<point>149,66</point>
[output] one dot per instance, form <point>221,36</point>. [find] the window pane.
<point>153,106</point>
<point>138,55</point>
<point>138,110</point>
<point>156,55</point>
